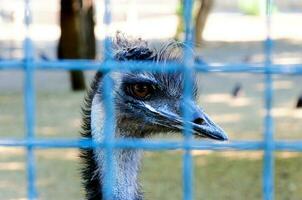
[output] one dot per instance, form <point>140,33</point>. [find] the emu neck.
<point>125,182</point>
<point>126,161</point>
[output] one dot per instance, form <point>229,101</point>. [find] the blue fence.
<point>268,144</point>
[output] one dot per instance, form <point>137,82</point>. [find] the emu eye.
<point>141,91</point>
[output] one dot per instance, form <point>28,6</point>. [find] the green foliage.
<point>253,7</point>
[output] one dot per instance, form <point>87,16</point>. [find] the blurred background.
<point>226,31</point>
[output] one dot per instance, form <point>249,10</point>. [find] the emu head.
<point>151,102</point>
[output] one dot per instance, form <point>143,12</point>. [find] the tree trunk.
<point>200,15</point>
<point>88,24</point>
<point>204,9</point>
<point>77,39</point>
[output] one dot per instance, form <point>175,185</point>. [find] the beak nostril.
<point>198,121</point>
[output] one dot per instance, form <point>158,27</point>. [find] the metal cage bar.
<point>29,99</point>
<point>268,145</point>
<point>109,124</point>
<point>288,69</point>
<point>187,70</point>
<point>268,161</point>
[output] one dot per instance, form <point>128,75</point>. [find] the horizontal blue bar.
<point>109,65</point>
<point>152,144</point>
<point>134,143</point>
<point>11,64</point>
<point>150,66</point>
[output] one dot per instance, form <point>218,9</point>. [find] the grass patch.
<point>226,176</point>
<point>217,175</point>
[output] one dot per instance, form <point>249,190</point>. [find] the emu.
<point>145,103</point>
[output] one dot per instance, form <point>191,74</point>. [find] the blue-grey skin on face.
<point>149,103</point>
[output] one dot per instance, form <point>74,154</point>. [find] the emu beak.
<point>202,125</point>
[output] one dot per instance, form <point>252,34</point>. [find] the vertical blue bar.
<point>110,112</point>
<point>29,99</point>
<point>107,21</point>
<point>109,138</point>
<point>268,165</point>
<point>187,70</point>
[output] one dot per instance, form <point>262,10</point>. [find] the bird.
<point>43,55</point>
<point>236,91</point>
<point>145,104</point>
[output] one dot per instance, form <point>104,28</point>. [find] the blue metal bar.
<point>29,100</point>
<point>188,170</point>
<point>148,66</point>
<point>140,144</point>
<point>153,145</point>
<point>268,165</point>
<point>111,65</point>
<point>109,125</point>
<point>107,21</point>
<point>11,64</point>
<point>109,136</point>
